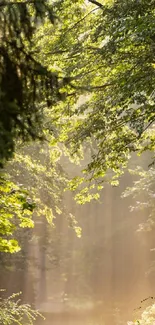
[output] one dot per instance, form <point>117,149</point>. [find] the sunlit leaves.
<point>41,168</point>
<point>13,312</point>
<point>9,245</point>
<point>37,167</point>
<point>106,55</point>
<point>16,211</point>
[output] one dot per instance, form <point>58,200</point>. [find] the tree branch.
<point>97,3</point>
<point>91,88</point>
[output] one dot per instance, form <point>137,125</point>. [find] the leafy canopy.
<point>98,58</point>
<point>105,57</point>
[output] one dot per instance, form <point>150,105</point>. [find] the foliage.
<point>13,312</point>
<point>16,212</point>
<point>105,58</point>
<point>24,83</point>
<point>41,168</point>
<point>99,61</point>
<point>37,167</point>
<point>31,188</point>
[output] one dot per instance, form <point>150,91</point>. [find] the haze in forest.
<point>77,140</point>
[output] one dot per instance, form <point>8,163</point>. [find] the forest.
<point>77,162</point>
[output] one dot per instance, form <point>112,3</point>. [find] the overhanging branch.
<point>91,88</point>
<point>97,3</point>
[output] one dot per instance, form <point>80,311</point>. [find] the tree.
<point>25,83</point>
<point>106,55</point>
<point>106,58</point>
